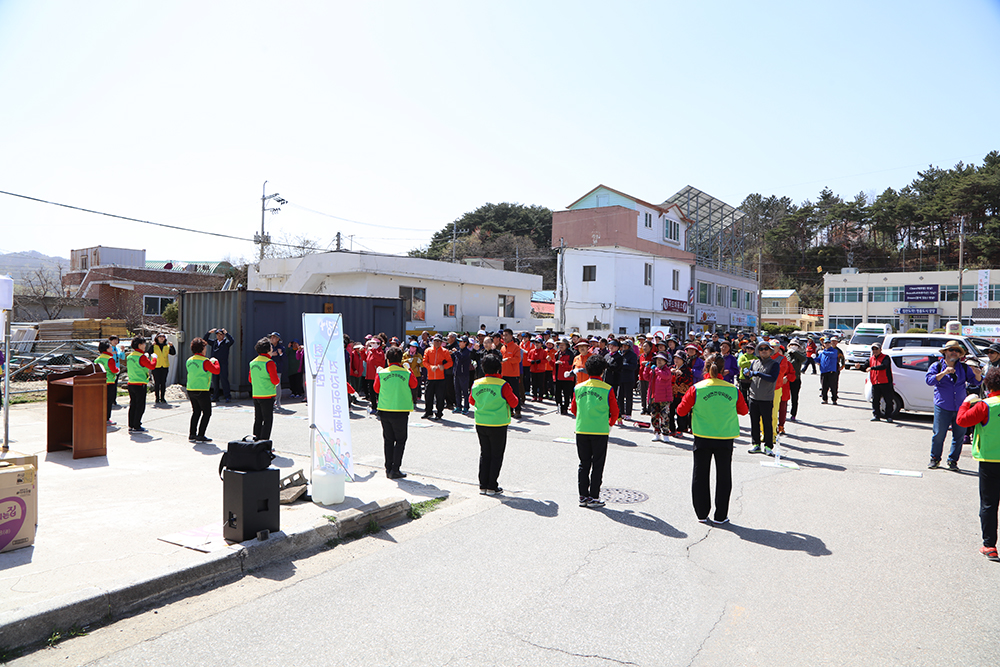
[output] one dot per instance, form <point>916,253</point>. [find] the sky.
<point>387,120</point>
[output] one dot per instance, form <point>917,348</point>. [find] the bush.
<point>917,330</point>
<point>170,313</point>
<point>937,330</point>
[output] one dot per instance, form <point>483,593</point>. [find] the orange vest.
<point>440,357</point>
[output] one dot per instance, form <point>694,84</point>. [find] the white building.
<point>924,299</point>
<point>439,295</point>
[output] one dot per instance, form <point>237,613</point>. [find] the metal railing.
<point>791,311</point>
<point>34,360</point>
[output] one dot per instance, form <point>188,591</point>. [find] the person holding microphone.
<point>714,406</point>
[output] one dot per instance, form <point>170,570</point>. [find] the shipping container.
<point>250,315</point>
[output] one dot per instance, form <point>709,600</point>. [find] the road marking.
<point>790,465</point>
<point>568,441</point>
<point>900,473</point>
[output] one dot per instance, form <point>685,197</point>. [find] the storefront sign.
<point>706,316</point>
<point>916,311</point>
<point>675,306</point>
<point>983,291</point>
<point>920,292</point>
<point>991,331</point>
<point>739,320</point>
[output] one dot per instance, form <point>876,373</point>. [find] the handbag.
<point>247,455</point>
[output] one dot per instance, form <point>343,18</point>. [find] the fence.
<point>32,361</point>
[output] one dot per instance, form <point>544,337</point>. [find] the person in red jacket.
<point>563,375</point>
<point>879,368</point>
<point>374,360</point>
<point>646,365</point>
<point>660,396</point>
<point>550,366</point>
<point>356,372</point>
<point>975,413</point>
<point>786,376</point>
<point>537,358</point>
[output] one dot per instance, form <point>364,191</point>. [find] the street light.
<point>262,238</point>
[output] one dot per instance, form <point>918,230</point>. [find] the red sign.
<point>675,306</point>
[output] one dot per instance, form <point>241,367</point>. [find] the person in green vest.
<point>106,360</point>
<point>394,386</point>
<point>714,405</point>
<point>263,380</point>
<point>138,364</point>
<point>596,409</point>
<point>199,385</point>
<point>493,399</point>
<point>984,415</point>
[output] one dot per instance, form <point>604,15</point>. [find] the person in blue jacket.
<point>219,341</point>
<point>829,371</point>
<point>951,379</point>
<point>461,357</point>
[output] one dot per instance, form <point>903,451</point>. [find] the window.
<point>663,323</point>
<point>704,292</point>
<point>622,331</point>
<point>677,280</point>
<point>994,292</point>
<point>414,303</point>
<point>154,305</point>
<point>914,363</point>
<point>83,263</point>
<point>845,323</point>
<point>449,310</point>
<point>894,322</point>
<point>845,295</point>
<point>649,221</point>
<point>671,230</point>
<point>589,274</point>
<point>885,294</point>
<point>749,300</point>
<point>720,295</point>
<point>596,325</point>
<point>644,325</point>
<point>734,297</point>
<point>950,292</point>
<point>505,305</point>
<point>775,304</point>
<point>648,275</point>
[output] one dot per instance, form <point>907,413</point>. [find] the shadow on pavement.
<point>643,521</point>
<point>621,442</point>
<point>282,462</point>
<point>789,541</point>
<point>821,441</point>
<point>65,458</point>
<point>815,464</point>
<point>281,570</point>
<point>821,427</point>
<point>207,448</point>
<point>809,450</point>
<point>545,508</point>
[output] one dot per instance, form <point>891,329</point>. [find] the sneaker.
<point>781,430</point>
<point>482,492</point>
<point>202,438</point>
<point>584,501</point>
<point>835,402</point>
<point>990,552</point>
<point>595,502</point>
<point>494,492</point>
<point>875,419</point>
<point>193,438</point>
<point>425,416</point>
<point>705,521</point>
<point>824,401</point>
<point>953,466</point>
<point>657,438</point>
<point>112,423</point>
<point>719,523</point>
<point>768,451</point>
<point>888,420</point>
<point>934,464</point>
<point>754,450</point>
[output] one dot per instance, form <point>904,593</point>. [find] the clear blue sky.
<point>408,114</point>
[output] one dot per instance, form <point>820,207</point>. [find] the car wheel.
<point>895,408</point>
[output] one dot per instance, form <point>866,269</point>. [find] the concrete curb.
<point>27,626</point>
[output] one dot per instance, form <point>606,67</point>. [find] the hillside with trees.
<point>913,229</point>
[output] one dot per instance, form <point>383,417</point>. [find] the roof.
<point>658,207</point>
<point>542,307</point>
<point>200,267</point>
<point>776,293</point>
<point>545,296</point>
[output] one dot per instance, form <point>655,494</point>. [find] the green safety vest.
<point>491,407</point>
<point>714,413</point>
<point>102,361</point>
<point>986,439</point>
<point>137,373</point>
<point>592,411</point>
<point>198,379</point>
<point>260,379</point>
<point>394,393</point>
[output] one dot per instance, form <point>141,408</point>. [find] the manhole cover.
<point>623,496</point>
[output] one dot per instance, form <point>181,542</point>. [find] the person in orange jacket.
<point>374,360</point>
<point>550,366</point>
<point>580,361</point>
<point>538,358</point>
<point>526,347</point>
<point>436,360</point>
<point>511,368</point>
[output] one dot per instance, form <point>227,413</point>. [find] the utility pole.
<point>338,241</point>
<point>961,265</point>
<point>517,258</point>
<point>264,239</point>
<point>760,288</point>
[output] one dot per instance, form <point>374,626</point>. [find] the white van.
<point>859,349</point>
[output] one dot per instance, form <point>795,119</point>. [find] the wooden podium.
<point>77,410</point>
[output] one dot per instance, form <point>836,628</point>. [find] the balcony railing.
<point>791,311</point>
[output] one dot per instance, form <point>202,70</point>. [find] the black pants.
<point>794,388</point>
<point>461,388</point>
<point>160,383</point>
<point>762,411</point>
<point>625,395</point>
<point>515,383</point>
<point>538,386</point>
<point>989,499</point>
<point>263,417</point>
<point>394,427</point>
<point>745,390</point>
<point>705,449</point>
<point>136,404</point>
<point>492,444</point>
<point>810,361</point>
<point>449,391</point>
<point>643,394</point>
<point>112,395</point>
<point>882,392</point>
<point>371,394</point>
<point>295,384</point>
<point>201,407</point>
<point>593,452</point>
<point>434,397</point>
<point>829,382</point>
<point>683,423</point>
<point>220,382</point>
<point>564,393</point>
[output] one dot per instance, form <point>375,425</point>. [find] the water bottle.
<point>327,486</point>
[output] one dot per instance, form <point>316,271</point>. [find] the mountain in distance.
<point>21,264</point>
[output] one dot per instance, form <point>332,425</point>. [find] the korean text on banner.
<point>323,335</point>
<point>983,295</point>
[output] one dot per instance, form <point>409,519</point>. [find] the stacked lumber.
<point>111,327</point>
<point>66,329</point>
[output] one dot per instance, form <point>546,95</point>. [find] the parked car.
<point>905,340</point>
<point>910,389</point>
<point>859,348</point>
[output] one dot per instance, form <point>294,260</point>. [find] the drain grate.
<point>623,496</point>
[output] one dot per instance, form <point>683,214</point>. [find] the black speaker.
<point>249,503</point>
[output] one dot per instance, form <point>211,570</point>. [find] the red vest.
<point>877,377</point>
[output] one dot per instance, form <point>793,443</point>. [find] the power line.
<point>356,222</point>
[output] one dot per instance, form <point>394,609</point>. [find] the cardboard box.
<point>18,459</point>
<point>18,510</point>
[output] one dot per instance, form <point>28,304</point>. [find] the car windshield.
<point>867,339</point>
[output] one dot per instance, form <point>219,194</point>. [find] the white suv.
<point>899,341</point>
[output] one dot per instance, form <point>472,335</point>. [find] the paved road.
<point>830,564</point>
